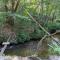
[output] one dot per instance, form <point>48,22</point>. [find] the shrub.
<point>38,33</point>
<point>22,37</point>
<point>51,26</point>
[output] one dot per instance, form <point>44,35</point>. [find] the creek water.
<point>30,48</point>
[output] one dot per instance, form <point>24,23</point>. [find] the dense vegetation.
<point>15,21</point>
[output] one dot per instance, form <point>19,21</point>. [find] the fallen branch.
<point>55,32</point>
<point>40,42</point>
<point>42,27</point>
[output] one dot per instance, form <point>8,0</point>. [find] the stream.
<point>30,49</point>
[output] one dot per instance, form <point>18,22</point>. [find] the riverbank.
<point>30,48</point>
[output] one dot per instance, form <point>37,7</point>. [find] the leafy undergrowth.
<point>54,48</point>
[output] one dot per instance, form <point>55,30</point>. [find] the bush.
<point>51,26</point>
<point>38,33</point>
<point>22,37</point>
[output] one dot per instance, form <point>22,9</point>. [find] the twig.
<point>5,46</point>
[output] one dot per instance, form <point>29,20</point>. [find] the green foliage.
<point>54,48</point>
<point>37,34</point>
<point>53,25</point>
<point>22,37</point>
<point>43,11</point>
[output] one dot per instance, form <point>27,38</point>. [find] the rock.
<point>5,58</point>
<point>27,58</point>
<point>54,58</point>
<point>34,58</point>
<point>13,58</point>
<point>18,58</point>
<point>2,58</point>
